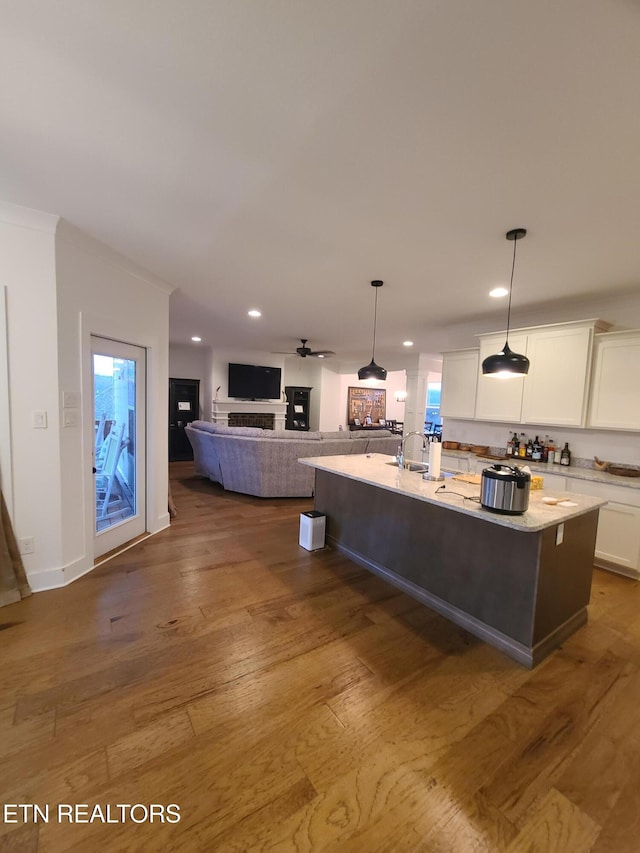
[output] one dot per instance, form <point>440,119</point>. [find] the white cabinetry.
<point>555,390</point>
<point>618,539</point>
<point>615,394</point>
<point>500,399</point>
<point>459,379</point>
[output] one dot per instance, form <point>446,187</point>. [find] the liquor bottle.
<point>552,450</point>
<point>557,455</point>
<point>510,446</point>
<point>565,456</point>
<point>522,446</point>
<point>544,454</point>
<point>529,450</point>
<point>537,450</point>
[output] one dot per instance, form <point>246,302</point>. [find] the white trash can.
<point>313,525</point>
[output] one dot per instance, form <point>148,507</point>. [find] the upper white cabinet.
<point>615,393</point>
<point>500,399</point>
<point>555,390</point>
<point>459,379</point>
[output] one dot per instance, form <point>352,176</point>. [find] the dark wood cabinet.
<point>184,407</point>
<point>298,398</point>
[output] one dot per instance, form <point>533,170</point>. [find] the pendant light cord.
<point>375,322</point>
<point>513,266</point>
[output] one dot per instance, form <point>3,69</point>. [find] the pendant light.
<point>373,370</point>
<point>506,362</point>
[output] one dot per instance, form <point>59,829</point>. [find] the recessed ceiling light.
<point>407,343</point>
<point>196,339</point>
<point>498,291</point>
<point>255,313</point>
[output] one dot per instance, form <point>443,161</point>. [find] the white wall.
<point>27,270</point>
<point>61,286</point>
<point>610,445</point>
<point>395,381</point>
<point>101,293</point>
<point>622,311</point>
<point>193,362</point>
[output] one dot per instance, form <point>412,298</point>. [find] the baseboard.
<point>47,579</point>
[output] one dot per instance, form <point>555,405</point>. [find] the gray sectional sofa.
<point>264,462</point>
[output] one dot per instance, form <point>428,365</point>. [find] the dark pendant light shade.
<point>506,362</point>
<point>373,370</point>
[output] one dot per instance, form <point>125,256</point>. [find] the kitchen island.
<point>519,582</point>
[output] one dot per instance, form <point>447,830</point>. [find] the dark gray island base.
<point>516,589</point>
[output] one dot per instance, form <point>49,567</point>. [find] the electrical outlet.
<point>560,534</point>
<point>27,545</point>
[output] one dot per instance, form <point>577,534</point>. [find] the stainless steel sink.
<point>423,468</point>
<point>417,467</point>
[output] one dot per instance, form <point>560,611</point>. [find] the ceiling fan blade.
<point>322,353</point>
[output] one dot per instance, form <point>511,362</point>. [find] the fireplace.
<point>266,414</point>
<point>262,420</point>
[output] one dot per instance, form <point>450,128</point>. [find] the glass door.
<point>119,442</point>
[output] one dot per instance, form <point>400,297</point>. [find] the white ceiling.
<point>280,154</point>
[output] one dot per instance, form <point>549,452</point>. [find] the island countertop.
<point>375,470</point>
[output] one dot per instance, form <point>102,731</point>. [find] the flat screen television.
<point>254,382</point>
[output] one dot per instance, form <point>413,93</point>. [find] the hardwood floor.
<point>291,701</point>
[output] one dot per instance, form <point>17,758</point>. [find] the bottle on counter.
<point>529,450</point>
<point>536,454</point>
<point>557,455</point>
<point>544,453</point>
<point>565,455</point>
<point>551,447</point>
<point>510,447</point>
<point>522,446</point>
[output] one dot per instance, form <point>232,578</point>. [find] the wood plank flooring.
<point>291,701</point>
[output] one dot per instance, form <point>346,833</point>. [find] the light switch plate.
<point>70,400</point>
<point>39,420</point>
<point>71,418</point>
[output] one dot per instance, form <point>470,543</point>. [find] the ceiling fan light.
<point>372,371</point>
<point>505,363</point>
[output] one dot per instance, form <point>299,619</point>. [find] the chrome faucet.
<point>400,456</point>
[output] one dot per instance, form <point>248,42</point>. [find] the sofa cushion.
<point>300,435</point>
<point>335,434</point>
<point>358,433</point>
<point>380,433</point>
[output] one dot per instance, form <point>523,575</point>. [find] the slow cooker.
<point>505,488</point>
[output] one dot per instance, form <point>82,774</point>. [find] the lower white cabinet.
<point>618,539</point>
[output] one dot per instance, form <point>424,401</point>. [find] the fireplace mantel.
<point>221,409</point>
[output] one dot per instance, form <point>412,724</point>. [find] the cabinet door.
<point>615,395</point>
<point>618,539</point>
<point>556,387</point>
<point>498,398</point>
<point>459,378</point>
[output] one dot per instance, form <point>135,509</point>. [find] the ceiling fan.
<point>305,351</point>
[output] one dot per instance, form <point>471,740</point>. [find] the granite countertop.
<point>374,470</point>
<point>577,472</point>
